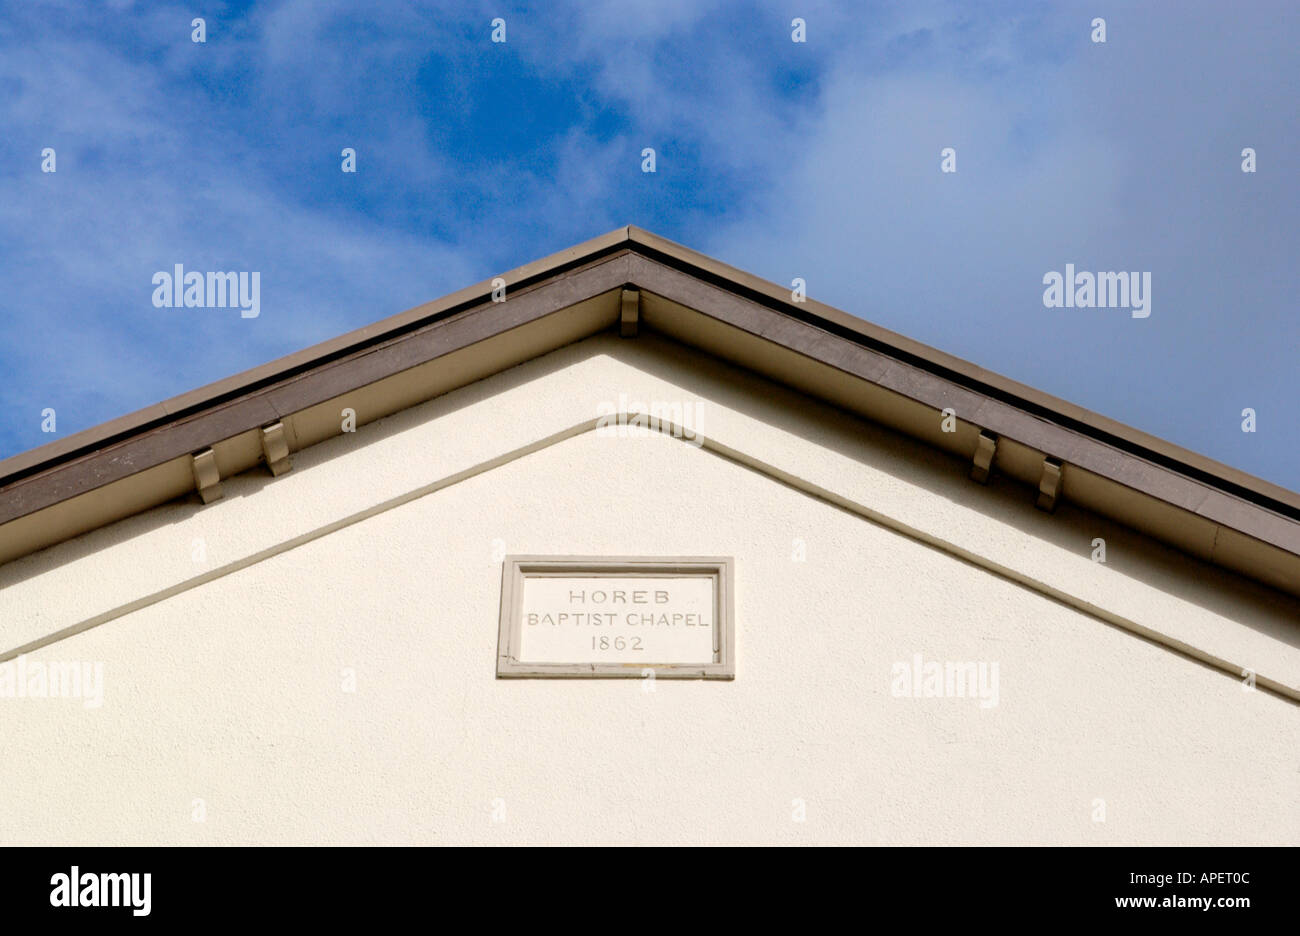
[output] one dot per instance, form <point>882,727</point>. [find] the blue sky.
<point>819,160</point>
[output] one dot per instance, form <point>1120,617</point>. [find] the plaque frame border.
<point>514,568</point>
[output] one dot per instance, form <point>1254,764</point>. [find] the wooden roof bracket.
<point>630,317</point>
<point>207,479</point>
<point>275,449</point>
<point>984,452</point>
<point>1049,485</point>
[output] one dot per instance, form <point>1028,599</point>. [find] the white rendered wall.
<point>231,691</point>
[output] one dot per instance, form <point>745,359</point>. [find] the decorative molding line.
<point>1233,669</point>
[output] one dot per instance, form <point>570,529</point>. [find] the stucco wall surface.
<point>228,657</point>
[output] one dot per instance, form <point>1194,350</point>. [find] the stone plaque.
<point>583,616</point>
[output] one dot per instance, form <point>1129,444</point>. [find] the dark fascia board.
<point>213,406</point>
<point>229,389</point>
<point>1005,420</point>
<point>270,399</point>
<point>1043,405</point>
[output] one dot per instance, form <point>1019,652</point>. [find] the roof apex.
<point>630,256</point>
